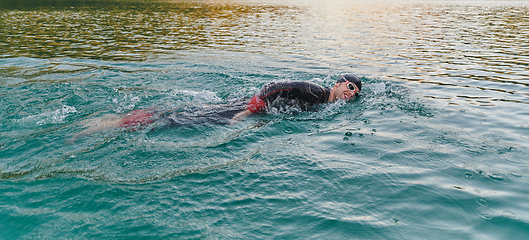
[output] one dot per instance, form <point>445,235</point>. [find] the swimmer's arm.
<point>240,116</point>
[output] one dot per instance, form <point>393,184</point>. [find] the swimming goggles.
<point>351,86</point>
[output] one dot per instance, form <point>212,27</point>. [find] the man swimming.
<point>300,95</point>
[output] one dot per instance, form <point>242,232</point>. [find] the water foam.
<point>56,116</point>
<point>202,96</point>
<point>129,102</point>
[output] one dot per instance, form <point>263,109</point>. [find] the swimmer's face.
<point>345,90</point>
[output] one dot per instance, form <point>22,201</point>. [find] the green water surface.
<point>435,147</point>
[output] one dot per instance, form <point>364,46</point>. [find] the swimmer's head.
<point>346,88</point>
<point>350,78</point>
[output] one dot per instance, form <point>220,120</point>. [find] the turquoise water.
<point>435,148</point>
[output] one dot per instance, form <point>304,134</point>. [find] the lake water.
<point>436,147</point>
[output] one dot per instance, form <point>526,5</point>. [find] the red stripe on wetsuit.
<point>258,102</point>
<point>137,118</point>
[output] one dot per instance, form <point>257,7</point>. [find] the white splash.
<point>56,116</point>
<point>204,95</point>
<point>378,88</point>
<point>318,81</point>
<point>128,103</point>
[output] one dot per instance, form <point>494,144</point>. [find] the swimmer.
<point>302,95</point>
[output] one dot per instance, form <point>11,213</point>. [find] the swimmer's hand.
<point>239,117</point>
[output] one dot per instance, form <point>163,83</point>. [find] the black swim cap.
<point>351,78</point>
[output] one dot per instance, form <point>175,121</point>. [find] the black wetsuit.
<point>213,114</point>
<point>298,95</point>
<point>301,95</point>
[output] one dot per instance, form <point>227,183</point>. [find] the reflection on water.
<point>478,42</point>
<point>132,30</point>
<point>483,43</point>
